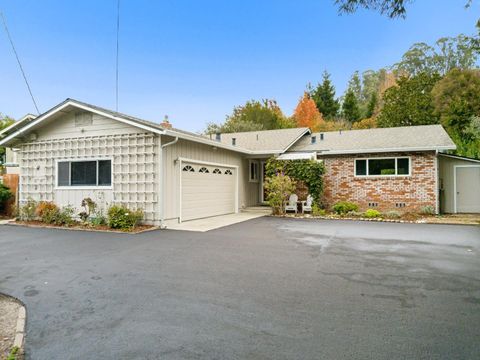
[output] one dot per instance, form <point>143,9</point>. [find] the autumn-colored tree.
<point>368,123</point>
<point>306,113</point>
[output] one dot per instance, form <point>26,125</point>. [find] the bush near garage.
<point>309,172</point>
<point>120,217</point>
<point>279,187</point>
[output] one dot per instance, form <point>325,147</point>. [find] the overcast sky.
<point>196,60</point>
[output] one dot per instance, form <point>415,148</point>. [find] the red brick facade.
<point>400,193</point>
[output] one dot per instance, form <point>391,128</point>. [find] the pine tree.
<point>324,97</point>
<point>371,106</point>
<point>350,109</point>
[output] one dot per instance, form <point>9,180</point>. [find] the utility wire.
<point>118,31</point>
<point>18,60</point>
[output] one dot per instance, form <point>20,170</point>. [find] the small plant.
<point>27,211</point>
<point>317,210</point>
<point>47,212</point>
<point>392,214</point>
<point>5,194</point>
<point>120,217</point>
<point>427,210</point>
<point>372,213</point>
<point>64,216</point>
<point>355,213</point>
<point>13,353</point>
<point>90,206</point>
<point>279,187</point>
<point>343,207</point>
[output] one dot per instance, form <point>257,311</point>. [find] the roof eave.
<point>387,150</point>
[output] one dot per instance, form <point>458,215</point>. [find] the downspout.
<point>162,183</point>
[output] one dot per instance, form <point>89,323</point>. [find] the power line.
<point>18,60</point>
<point>116,67</point>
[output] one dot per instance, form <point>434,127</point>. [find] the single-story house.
<point>76,150</point>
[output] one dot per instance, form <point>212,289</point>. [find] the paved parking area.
<point>267,288</point>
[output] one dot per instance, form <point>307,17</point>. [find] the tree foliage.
<point>368,123</point>
<point>5,121</point>
<point>350,109</point>
<point>410,102</point>
<point>448,53</point>
<point>253,116</point>
<point>456,100</point>
<point>391,8</point>
<point>306,114</point>
<point>324,97</point>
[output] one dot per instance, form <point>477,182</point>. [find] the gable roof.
<point>267,141</point>
<point>20,127</point>
<point>405,138</point>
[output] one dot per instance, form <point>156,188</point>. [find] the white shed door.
<point>207,190</point>
<point>468,189</point>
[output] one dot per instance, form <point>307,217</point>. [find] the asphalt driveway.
<point>264,289</point>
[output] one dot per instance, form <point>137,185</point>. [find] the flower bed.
<point>86,227</point>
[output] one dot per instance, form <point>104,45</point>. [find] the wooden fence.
<point>11,181</point>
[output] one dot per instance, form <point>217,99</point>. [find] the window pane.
<point>63,174</point>
<point>105,173</point>
<point>361,167</point>
<point>381,167</point>
<point>403,166</point>
<point>84,173</point>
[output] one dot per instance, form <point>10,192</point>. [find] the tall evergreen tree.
<point>324,97</point>
<point>371,106</point>
<point>350,109</point>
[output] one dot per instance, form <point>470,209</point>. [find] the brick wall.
<point>415,191</point>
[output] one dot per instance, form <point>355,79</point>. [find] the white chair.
<point>307,205</point>
<point>292,203</point>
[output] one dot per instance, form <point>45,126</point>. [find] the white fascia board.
<point>386,150</point>
<point>459,158</point>
<point>80,106</point>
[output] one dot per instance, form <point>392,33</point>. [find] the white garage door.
<point>468,189</point>
<point>207,190</point>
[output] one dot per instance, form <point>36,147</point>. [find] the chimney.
<point>218,136</point>
<point>165,123</point>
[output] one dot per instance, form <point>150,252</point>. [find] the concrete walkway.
<point>216,222</point>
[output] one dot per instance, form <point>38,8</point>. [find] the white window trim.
<point>257,169</point>
<point>82,187</point>
<point>383,176</point>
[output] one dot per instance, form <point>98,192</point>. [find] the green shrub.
<point>5,194</point>
<point>26,212</point>
<point>392,214</point>
<point>343,207</point>
<point>372,213</point>
<point>120,217</point>
<point>279,187</point>
<point>317,210</point>
<point>428,210</point>
<point>64,216</point>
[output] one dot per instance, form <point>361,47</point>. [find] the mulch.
<point>86,227</point>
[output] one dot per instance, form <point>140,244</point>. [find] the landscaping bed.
<point>86,227</point>
<point>8,323</point>
<point>413,218</point>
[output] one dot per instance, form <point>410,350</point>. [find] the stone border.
<point>13,223</point>
<point>398,221</point>
<point>20,329</point>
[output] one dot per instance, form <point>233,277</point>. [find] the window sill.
<point>380,177</point>
<point>93,187</point>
